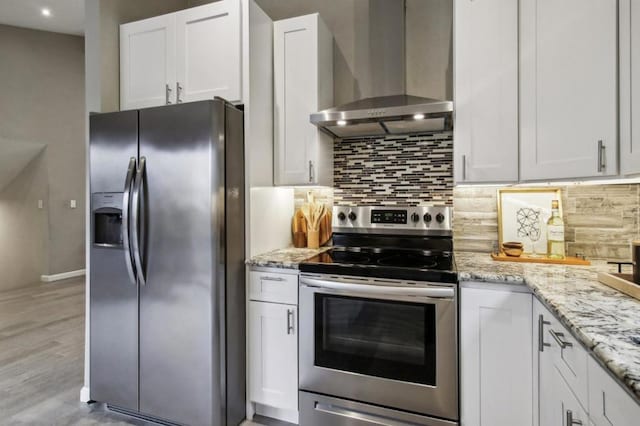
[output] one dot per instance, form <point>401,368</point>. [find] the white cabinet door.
<point>568,89</point>
<point>486,91</point>
<point>147,62</point>
<point>629,87</point>
<point>563,409</point>
<point>609,404</point>
<point>273,354</point>
<point>208,52</point>
<point>496,358</point>
<point>303,84</point>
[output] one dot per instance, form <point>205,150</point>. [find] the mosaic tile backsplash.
<point>600,220</point>
<point>394,170</point>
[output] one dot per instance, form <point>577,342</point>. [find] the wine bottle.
<point>555,233</point>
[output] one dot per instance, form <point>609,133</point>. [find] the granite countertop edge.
<point>286,258</point>
<point>602,319</point>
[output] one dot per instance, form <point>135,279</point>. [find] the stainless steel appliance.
<point>635,260</point>
<point>385,115</point>
<point>167,274</point>
<point>378,321</point>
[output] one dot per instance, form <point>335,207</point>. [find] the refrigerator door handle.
<point>135,219</point>
<point>126,224</point>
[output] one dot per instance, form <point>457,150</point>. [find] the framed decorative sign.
<point>523,214</point>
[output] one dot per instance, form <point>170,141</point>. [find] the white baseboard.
<point>85,395</point>
<point>62,276</point>
<point>289,416</point>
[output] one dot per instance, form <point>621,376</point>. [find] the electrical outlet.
<point>73,204</point>
<point>40,204</point>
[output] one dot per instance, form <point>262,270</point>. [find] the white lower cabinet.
<point>495,357</point>
<point>273,344</point>
<point>561,407</point>
<point>609,404</point>
<point>274,355</point>
<point>572,388</point>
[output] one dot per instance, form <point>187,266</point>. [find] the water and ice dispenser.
<point>107,219</point>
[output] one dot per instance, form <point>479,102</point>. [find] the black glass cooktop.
<point>394,263</point>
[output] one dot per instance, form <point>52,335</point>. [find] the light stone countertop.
<point>287,258</point>
<point>603,319</point>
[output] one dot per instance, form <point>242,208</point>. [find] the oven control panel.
<point>389,216</point>
<point>424,220</point>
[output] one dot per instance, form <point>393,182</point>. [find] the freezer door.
<point>183,257</point>
<point>113,295</point>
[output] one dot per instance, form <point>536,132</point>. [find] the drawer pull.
<point>570,420</point>
<point>267,278</point>
<point>290,319</point>
<point>541,324</point>
<point>557,336</point>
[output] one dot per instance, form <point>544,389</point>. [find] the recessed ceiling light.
<point>342,122</point>
<point>45,11</point>
<point>418,116</point>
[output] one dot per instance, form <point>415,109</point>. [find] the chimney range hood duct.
<point>385,115</point>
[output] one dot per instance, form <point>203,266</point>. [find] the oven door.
<point>388,343</point>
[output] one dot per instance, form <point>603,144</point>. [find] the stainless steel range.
<point>378,321</point>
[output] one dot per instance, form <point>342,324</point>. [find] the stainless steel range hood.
<point>385,115</point>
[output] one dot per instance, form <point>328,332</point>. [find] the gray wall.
<point>41,81</point>
<point>430,48</point>
<point>23,227</point>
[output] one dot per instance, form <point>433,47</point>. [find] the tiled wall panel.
<point>600,220</point>
<point>394,170</point>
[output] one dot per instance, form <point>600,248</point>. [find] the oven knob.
<point>427,217</point>
<point>415,217</point>
<point>352,216</point>
<point>440,217</point>
<point>342,216</point>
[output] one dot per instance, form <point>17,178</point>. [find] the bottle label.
<point>555,232</point>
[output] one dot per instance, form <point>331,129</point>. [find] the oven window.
<point>383,338</point>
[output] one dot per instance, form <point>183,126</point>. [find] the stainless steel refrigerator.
<point>167,263</point>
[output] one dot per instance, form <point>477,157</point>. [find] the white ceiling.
<point>67,16</point>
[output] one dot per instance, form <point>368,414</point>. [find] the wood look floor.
<point>42,358</point>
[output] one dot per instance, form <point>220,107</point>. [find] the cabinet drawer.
<point>609,404</point>
<point>569,357</point>
<point>274,287</point>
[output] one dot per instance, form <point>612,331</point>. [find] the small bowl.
<point>512,245</point>
<point>512,252</point>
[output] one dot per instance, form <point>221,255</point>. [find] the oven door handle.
<point>432,292</point>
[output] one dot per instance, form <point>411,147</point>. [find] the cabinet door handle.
<point>557,336</point>
<point>268,278</point>
<point>464,167</point>
<point>290,321</point>
<point>601,156</point>
<point>178,92</point>
<point>570,420</point>
<point>310,171</point>
<point>167,94</point>
<point>541,324</point>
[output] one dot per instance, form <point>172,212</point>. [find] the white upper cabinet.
<point>568,89</point>
<point>486,91</point>
<point>147,62</point>
<point>496,358</point>
<point>303,84</point>
<point>191,55</point>
<point>208,52</point>
<point>629,87</point>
